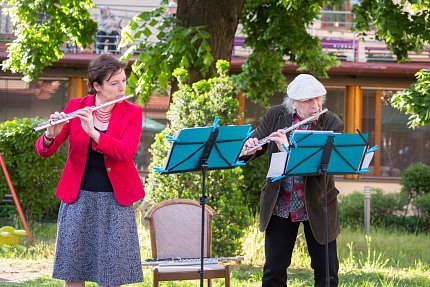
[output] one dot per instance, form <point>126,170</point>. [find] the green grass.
<point>380,259</point>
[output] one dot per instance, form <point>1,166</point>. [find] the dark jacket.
<point>278,118</point>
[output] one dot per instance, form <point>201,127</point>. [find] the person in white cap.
<point>286,203</point>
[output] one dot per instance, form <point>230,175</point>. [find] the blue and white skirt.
<point>97,241</point>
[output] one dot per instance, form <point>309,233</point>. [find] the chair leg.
<point>227,276</point>
<point>155,282</point>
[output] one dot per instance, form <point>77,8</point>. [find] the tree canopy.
<point>41,27</point>
<point>203,32</point>
<point>404,27</point>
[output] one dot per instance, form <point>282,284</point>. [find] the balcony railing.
<point>333,28</point>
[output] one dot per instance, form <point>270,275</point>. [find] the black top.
<point>95,176</point>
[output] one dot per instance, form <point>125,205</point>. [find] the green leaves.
<point>197,105</point>
<point>163,45</point>
<point>277,32</point>
<point>415,101</point>
<point>34,178</point>
<point>402,25</point>
<point>41,27</point>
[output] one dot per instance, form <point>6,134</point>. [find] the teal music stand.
<point>323,153</point>
<point>205,148</point>
<point>305,154</point>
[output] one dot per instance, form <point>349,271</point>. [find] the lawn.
<point>381,258</point>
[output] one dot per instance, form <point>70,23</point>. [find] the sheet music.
<point>367,159</point>
<point>170,151</point>
<point>277,164</point>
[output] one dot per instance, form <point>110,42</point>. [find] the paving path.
<point>13,271</point>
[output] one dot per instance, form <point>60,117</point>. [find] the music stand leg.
<point>203,200</point>
<point>325,209</point>
<point>328,147</point>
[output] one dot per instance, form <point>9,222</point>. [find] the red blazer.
<point>119,145</point>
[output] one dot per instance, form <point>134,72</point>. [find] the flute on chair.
<point>73,114</point>
<point>287,129</point>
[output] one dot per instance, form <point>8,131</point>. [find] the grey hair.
<point>288,103</point>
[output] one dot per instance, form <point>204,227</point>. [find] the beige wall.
<point>348,186</point>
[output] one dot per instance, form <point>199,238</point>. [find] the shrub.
<point>351,209</point>
<point>422,203</point>
<point>382,205</point>
<point>34,178</point>
<point>415,180</point>
<point>194,106</point>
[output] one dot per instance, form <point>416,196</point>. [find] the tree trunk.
<point>220,17</point>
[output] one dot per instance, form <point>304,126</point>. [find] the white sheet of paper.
<point>277,164</point>
<point>367,159</point>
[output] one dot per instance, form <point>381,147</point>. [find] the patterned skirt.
<point>97,241</point>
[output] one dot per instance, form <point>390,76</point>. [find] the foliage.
<point>422,203</point>
<point>194,106</point>
<point>415,180</point>
<point>383,205</point>
<point>415,101</point>
<point>351,209</point>
<point>403,26</point>
<point>34,178</point>
<point>41,27</point>
<point>163,45</point>
<point>276,30</point>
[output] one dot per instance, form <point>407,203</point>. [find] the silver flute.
<point>287,129</point>
<point>73,114</point>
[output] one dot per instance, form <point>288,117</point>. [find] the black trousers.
<point>281,236</point>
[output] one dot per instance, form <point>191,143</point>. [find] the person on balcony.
<point>109,29</point>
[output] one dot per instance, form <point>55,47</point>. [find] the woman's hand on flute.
<point>250,143</point>
<point>54,130</point>
<point>87,122</point>
<point>280,138</point>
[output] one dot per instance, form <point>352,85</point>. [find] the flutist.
<point>97,235</point>
<point>286,203</point>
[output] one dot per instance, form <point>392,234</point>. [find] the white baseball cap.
<point>305,87</point>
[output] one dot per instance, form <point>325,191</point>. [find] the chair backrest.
<point>175,229</point>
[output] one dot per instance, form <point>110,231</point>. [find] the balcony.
<point>333,28</point>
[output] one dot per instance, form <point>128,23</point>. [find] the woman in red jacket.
<point>97,234</point>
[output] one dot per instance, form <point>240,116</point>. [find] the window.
<point>35,99</point>
<point>399,145</point>
<point>337,16</point>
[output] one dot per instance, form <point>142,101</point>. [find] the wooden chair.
<point>175,231</point>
